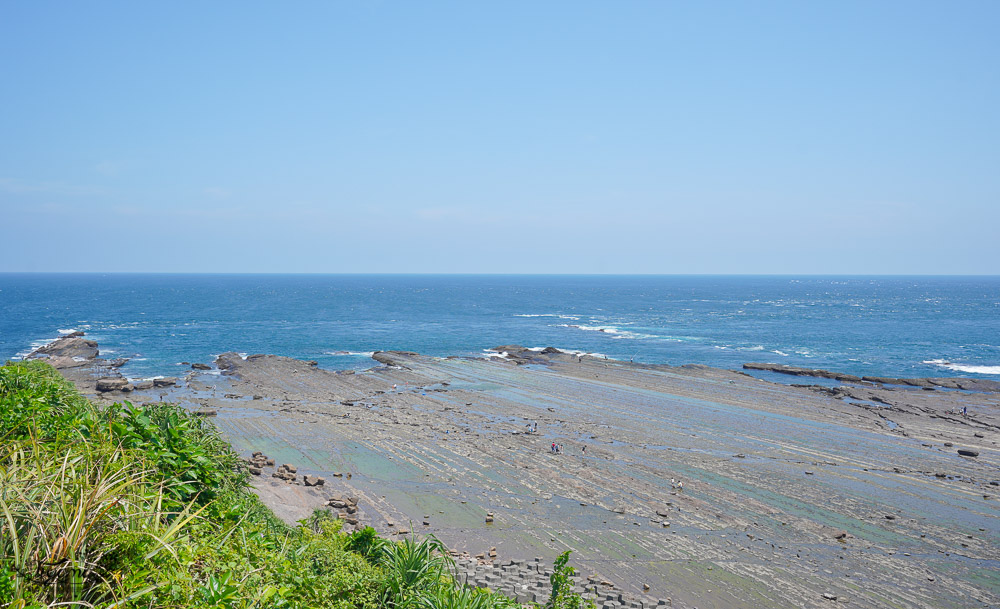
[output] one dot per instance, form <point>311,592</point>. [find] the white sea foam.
<point>555,315</point>
<point>964,367</point>
<point>34,346</point>
<point>70,331</point>
<point>574,352</point>
<point>350,353</point>
<point>779,352</point>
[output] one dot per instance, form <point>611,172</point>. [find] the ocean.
<point>886,326</point>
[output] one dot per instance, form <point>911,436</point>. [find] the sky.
<point>505,137</point>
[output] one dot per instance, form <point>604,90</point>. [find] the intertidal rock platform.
<point>710,487</point>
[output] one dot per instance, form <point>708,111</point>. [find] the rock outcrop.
<point>68,352</point>
<point>965,384</point>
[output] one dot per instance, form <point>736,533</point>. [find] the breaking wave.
<point>963,367</point>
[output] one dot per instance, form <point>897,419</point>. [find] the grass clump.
<point>128,507</point>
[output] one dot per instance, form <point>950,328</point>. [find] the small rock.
<point>198,366</point>
<point>965,452</point>
<point>890,516</point>
<point>313,481</point>
<point>829,597</point>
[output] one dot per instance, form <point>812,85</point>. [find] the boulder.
<point>167,381</point>
<point>313,481</point>
<point>143,385</point>
<point>113,384</point>
<point>965,452</point>
<point>199,366</point>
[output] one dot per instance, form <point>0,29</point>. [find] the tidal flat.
<point>711,487</point>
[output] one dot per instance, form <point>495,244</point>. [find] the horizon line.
<point>494,274</point>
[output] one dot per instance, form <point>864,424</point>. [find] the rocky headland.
<point>686,486</point>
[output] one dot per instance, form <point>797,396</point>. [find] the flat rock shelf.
<point>688,486</point>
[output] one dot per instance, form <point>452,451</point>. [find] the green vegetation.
<point>127,507</point>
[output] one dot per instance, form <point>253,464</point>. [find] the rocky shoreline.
<point>689,486</point>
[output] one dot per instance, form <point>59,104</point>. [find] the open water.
<point>889,326</point>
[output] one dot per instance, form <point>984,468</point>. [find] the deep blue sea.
<point>891,326</point>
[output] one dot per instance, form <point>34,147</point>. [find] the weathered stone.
<point>167,381</point>
<point>313,481</point>
<point>199,366</point>
<point>113,384</point>
<point>965,452</point>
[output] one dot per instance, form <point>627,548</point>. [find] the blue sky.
<point>507,137</point>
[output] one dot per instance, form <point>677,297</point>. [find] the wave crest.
<point>957,367</point>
